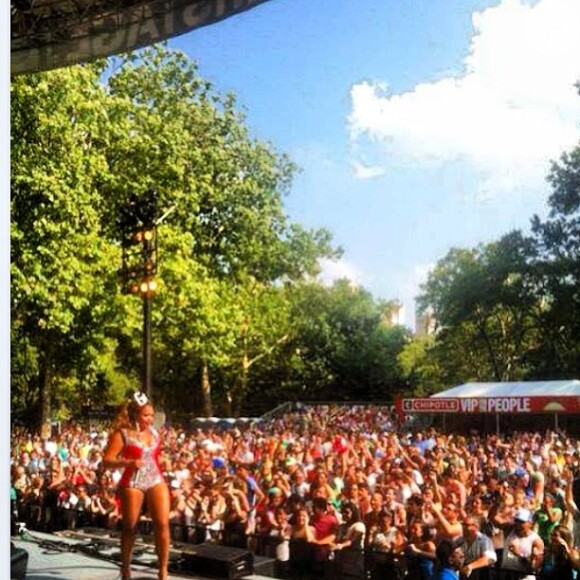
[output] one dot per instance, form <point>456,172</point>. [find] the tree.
<point>341,347</point>
<point>62,288</point>
<point>558,272</point>
<point>485,304</point>
<point>235,243</point>
<point>420,367</point>
<point>86,147</point>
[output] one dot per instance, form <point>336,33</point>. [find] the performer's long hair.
<point>130,410</point>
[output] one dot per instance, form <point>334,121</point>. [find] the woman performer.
<point>134,446</point>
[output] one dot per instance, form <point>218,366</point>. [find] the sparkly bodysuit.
<point>149,474</point>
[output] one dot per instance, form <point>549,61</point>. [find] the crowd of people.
<point>341,491</point>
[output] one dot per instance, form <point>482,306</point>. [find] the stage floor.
<point>52,557</point>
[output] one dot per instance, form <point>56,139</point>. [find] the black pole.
<point>147,344</point>
<point>138,221</point>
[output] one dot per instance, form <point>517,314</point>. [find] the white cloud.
<point>362,171</point>
<point>332,270</point>
<point>513,109</point>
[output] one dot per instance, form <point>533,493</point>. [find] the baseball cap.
<point>523,515</point>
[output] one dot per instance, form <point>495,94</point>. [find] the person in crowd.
<point>266,511</point>
<point>449,560</point>
<point>382,534</point>
<point>351,531</point>
<point>253,491</point>
<point>415,512</point>
<point>235,517</point>
<point>385,548</point>
<point>420,552</point>
<point>299,484</point>
<point>33,501</point>
<point>83,506</point>
<point>478,509</point>
<point>176,509</point>
<point>372,517</point>
<point>348,556</point>
<point>547,517</point>
<point>447,522</point>
<point>562,559</point>
<point>105,508</point>
<point>302,537</point>
<point>134,446</point>
<point>478,550</point>
<point>320,486</point>
<point>452,485</point>
<point>279,544</point>
<point>325,525</point>
<point>301,527</point>
<point>523,550</point>
<point>210,513</point>
<point>395,507</point>
<point>572,513</point>
<point>364,499</point>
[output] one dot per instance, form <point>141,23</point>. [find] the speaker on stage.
<point>217,561</point>
<point>18,563</point>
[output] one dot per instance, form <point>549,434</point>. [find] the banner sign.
<point>491,405</point>
<point>70,35</point>
<point>430,405</point>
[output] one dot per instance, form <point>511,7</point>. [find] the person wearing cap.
<point>478,550</point>
<point>523,549</point>
<point>219,463</point>
<point>266,510</point>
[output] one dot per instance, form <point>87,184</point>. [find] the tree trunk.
<point>227,405</point>
<point>242,389</point>
<point>206,406</point>
<point>45,391</point>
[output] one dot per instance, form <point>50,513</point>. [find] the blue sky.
<point>419,125</point>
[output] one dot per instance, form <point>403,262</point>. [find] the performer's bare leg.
<point>158,507</point>
<point>131,503</point>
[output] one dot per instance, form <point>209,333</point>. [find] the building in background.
<point>425,322</point>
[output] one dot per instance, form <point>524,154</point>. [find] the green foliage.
<point>61,282</point>
<point>341,346</point>
<point>558,273</point>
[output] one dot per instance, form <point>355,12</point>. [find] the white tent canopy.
<point>569,388</point>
